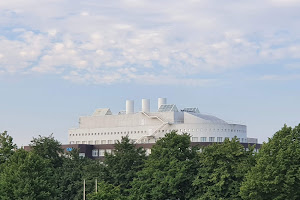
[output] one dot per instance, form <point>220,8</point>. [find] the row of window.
<point>212,130</point>
<point>212,139</point>
<point>108,133</point>
<point>193,139</point>
<point>98,142</point>
<point>137,132</point>
<point>101,152</point>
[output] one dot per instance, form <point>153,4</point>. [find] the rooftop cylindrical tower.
<point>129,106</point>
<point>161,101</point>
<point>145,105</point>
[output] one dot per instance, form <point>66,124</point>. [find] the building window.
<point>82,155</point>
<point>83,142</point>
<point>101,152</point>
<point>211,139</point>
<point>194,139</point>
<point>90,142</point>
<point>219,139</point>
<point>148,151</point>
<point>115,141</point>
<point>95,152</point>
<point>108,151</point>
<point>109,141</point>
<point>96,141</point>
<point>103,141</point>
<point>77,142</point>
<point>203,139</point>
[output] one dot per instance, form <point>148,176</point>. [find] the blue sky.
<point>60,59</point>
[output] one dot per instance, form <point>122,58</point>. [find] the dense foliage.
<point>222,170</point>
<point>122,166</point>
<point>173,170</point>
<point>276,174</point>
<point>169,170</point>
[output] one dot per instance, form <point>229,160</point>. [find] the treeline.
<point>174,170</point>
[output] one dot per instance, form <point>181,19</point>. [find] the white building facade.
<point>144,126</point>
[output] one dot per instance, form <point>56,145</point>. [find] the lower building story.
<point>97,151</point>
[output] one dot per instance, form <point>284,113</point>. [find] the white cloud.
<point>172,40</point>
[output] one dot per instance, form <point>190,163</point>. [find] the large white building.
<point>144,126</point>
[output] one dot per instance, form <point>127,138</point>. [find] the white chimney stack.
<point>161,101</point>
<point>145,105</point>
<point>129,106</point>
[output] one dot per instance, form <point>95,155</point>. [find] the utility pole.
<point>96,185</point>
<point>83,189</point>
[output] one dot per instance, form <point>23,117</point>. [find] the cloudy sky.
<point>60,59</point>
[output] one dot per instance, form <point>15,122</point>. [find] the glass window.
<point>211,139</point>
<point>103,141</point>
<point>203,139</point>
<point>108,151</point>
<point>83,142</point>
<point>82,155</point>
<point>95,152</point>
<point>219,139</point>
<point>101,152</point>
<point>194,139</point>
<point>96,141</point>
<point>90,142</point>
<point>109,141</point>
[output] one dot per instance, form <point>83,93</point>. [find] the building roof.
<point>208,118</point>
<point>168,108</point>
<point>102,111</point>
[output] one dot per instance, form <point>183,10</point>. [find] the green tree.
<point>106,192</point>
<point>27,176</point>
<point>49,148</point>
<point>7,147</point>
<point>276,175</point>
<point>122,166</point>
<point>73,171</point>
<point>169,170</point>
<point>222,168</point>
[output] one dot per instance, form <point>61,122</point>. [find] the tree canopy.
<point>7,147</point>
<point>122,166</point>
<point>27,176</point>
<point>276,174</point>
<point>169,171</point>
<point>222,168</point>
